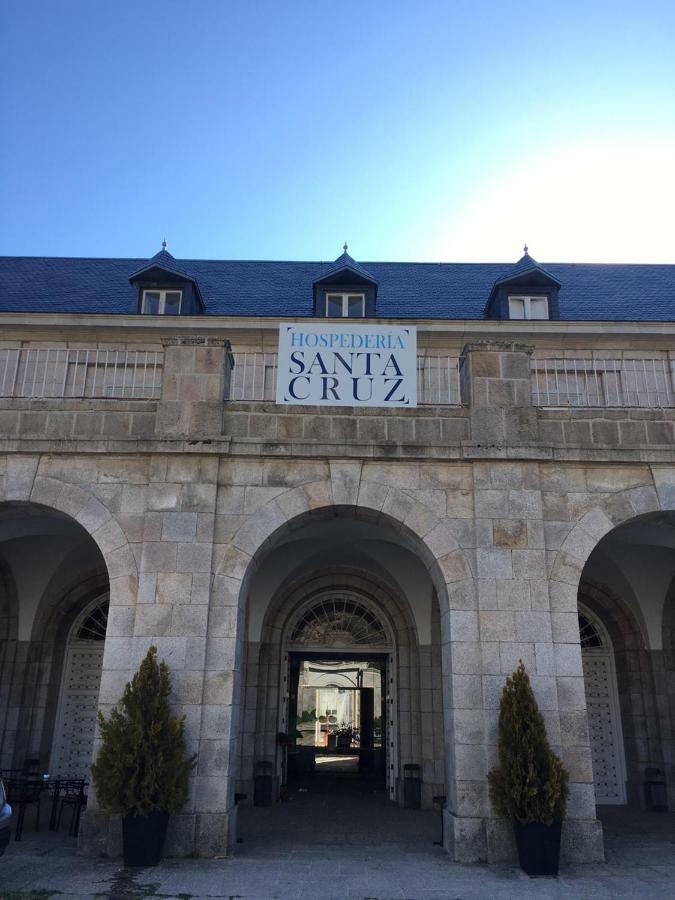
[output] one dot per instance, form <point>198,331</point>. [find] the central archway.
<point>347,588</point>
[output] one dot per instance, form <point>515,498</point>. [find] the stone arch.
<point>294,592</point>
<point>24,485</point>
<point>38,673</point>
<point>585,535</point>
<point>616,616</point>
<point>432,537</point>
<point>291,596</point>
<point>642,723</point>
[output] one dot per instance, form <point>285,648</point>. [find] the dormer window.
<point>345,306</point>
<point>345,291</point>
<point>162,302</point>
<point>525,291</point>
<point>166,287</point>
<point>528,307</point>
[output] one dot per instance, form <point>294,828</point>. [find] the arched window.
<point>93,626</point>
<point>338,621</point>
<point>589,634</point>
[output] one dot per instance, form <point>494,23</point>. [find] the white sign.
<point>347,365</point>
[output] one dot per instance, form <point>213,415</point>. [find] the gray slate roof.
<point>406,290</point>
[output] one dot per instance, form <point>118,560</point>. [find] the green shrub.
<point>530,783</point>
<point>142,764</point>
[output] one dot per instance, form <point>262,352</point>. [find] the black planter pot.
<point>538,847</point>
<point>143,838</point>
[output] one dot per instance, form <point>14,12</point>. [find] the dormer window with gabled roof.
<point>345,291</point>
<point>525,292</point>
<point>166,288</point>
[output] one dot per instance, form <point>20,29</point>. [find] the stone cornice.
<point>467,329</point>
<point>219,445</point>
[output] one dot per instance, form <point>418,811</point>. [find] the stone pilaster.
<point>495,383</point>
<point>196,374</point>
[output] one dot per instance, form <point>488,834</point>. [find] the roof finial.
<point>345,246</point>
<point>164,244</point>
<point>525,248</point>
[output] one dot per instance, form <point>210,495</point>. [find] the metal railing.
<point>254,377</point>
<point>607,383</point>
<point>438,381</point>
<point>43,372</point>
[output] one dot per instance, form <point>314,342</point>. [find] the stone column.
<point>194,381</point>
<point>520,617</point>
<point>512,612</point>
<point>171,499</point>
<point>495,383</point>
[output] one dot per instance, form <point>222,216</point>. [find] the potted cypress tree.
<point>141,770</point>
<point>529,786</point>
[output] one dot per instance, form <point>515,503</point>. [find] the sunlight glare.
<point>599,202</point>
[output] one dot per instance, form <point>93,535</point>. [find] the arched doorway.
<point>343,589</point>
<point>78,696</point>
<point>338,702</point>
<point>602,706</point>
<point>56,587</point>
<point>622,596</point>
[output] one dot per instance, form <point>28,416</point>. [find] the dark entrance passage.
<point>337,735</point>
<point>335,817</point>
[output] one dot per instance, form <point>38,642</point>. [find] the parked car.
<point>5,819</point>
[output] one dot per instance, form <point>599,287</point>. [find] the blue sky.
<point>447,131</point>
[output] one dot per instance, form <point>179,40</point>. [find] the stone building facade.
<point>478,532</point>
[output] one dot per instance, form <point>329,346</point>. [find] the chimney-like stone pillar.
<point>495,383</point>
<point>194,382</point>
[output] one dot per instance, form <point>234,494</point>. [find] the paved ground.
<point>311,849</point>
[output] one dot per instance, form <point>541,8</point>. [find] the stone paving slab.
<point>640,864</point>
<point>329,873</point>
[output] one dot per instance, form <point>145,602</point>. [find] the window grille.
<point>94,626</point>
<point>589,634</point>
<point>338,622</point>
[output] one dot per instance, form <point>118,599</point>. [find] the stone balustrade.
<point>180,394</point>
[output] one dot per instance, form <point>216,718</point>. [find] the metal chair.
<point>23,792</point>
<point>54,787</point>
<point>75,797</point>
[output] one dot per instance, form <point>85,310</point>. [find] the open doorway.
<point>337,734</point>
